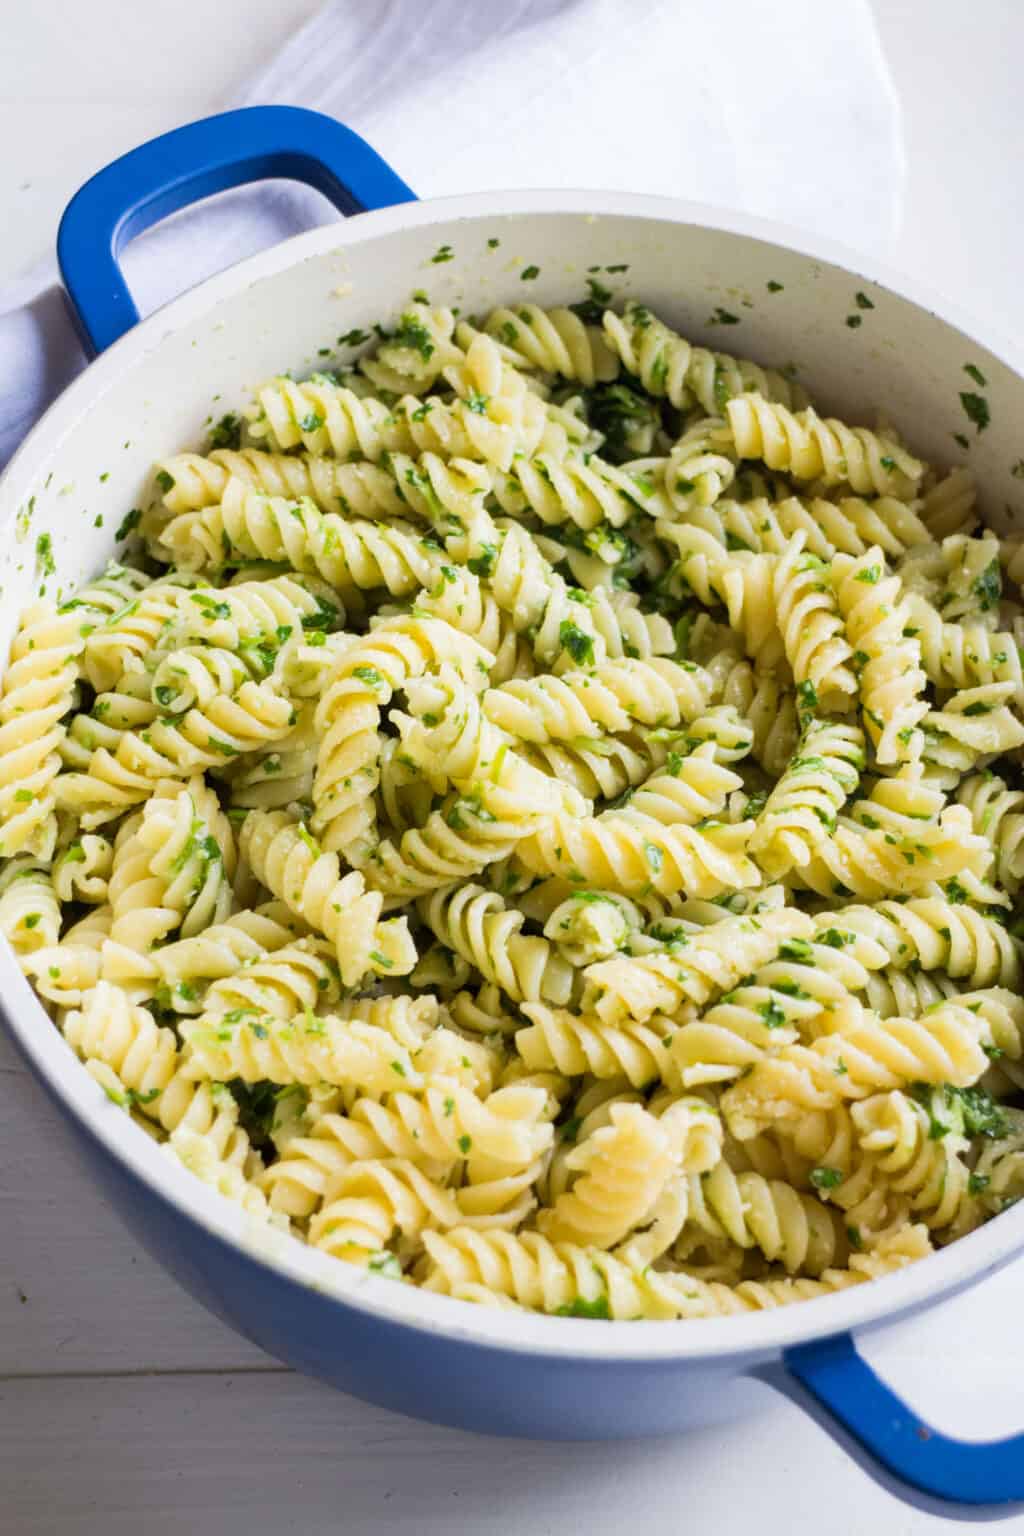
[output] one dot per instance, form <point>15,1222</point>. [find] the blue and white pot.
<point>150,391</point>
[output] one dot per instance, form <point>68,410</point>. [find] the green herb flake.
<point>44,554</point>
<point>826,1178</point>
<point>988,587</point>
<point>774,1017</point>
<point>598,1308</point>
<point>227,433</point>
<point>579,645</point>
<point>483,564</point>
<point>413,334</point>
<point>976,409</point>
<point>799,950</point>
<point>385,1264</point>
<point>129,523</point>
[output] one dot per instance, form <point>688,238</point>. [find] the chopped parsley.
<point>988,588</point>
<point>799,950</point>
<point>129,523</point>
<point>826,1178</point>
<point>412,333</point>
<point>44,554</point>
<point>960,1111</point>
<point>976,409</point>
<point>577,642</point>
<point>227,433</point>
<point>483,564</point>
<point>598,1308</point>
<point>774,1017</point>
<point>618,412</point>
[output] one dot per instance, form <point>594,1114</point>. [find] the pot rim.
<point>755,1335</point>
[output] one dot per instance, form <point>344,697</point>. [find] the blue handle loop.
<point>191,163</point>
<point>946,1476</point>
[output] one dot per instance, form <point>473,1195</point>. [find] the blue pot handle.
<point>191,163</point>
<point>955,1478</point>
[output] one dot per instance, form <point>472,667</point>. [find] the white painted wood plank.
<point>241,1456</point>
<point>93,1299</point>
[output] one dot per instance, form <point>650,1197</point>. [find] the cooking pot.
<point>861,340</point>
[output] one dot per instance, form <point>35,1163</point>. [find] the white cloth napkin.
<point>785,110</point>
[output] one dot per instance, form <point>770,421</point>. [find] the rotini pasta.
<point>545,823</point>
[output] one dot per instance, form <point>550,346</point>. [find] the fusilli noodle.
<point>544,822</point>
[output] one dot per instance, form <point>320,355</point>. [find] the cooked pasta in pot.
<point>540,820</point>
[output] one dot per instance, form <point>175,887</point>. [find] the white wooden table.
<point>123,1406</point>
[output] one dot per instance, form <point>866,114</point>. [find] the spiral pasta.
<point>351,555</point>
<point>628,856</point>
<point>812,630</point>
<point>849,526</point>
<point>795,1229</point>
<point>810,448</point>
<point>580,489</point>
<point>894,1131</point>
<point>477,925</point>
<point>349,713</point>
<point>621,1171</point>
<point>689,968</point>
<point>701,465</point>
<point>964,655</point>
<point>806,989</point>
<point>891,679</point>
<point>614,696</point>
<point>997,813</point>
<point>945,1046</point>
<point>284,858</point>
<point>543,823</point>
<point>559,1040</point>
<point>668,365</point>
<point>29,908</point>
<point>36,694</point>
<point>934,935</point>
<point>688,790</point>
<point>802,810</point>
<point>553,340</point>
<point>140,1061</point>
